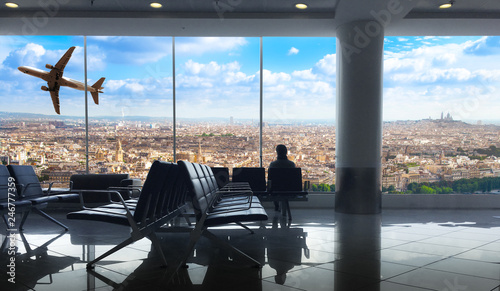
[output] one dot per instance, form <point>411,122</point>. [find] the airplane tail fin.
<point>97,87</point>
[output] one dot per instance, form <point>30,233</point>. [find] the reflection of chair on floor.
<point>284,250</point>
<point>285,184</point>
<point>222,273</point>
<point>37,264</point>
<point>30,189</point>
<point>256,177</point>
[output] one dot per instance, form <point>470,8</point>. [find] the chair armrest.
<point>129,215</point>
<point>216,208</point>
<point>130,188</point>
<point>21,189</point>
<point>82,193</point>
<point>130,182</point>
<point>49,188</point>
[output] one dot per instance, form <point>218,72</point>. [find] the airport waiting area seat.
<point>129,188</point>
<point>162,199</point>
<point>216,207</point>
<point>9,204</point>
<point>221,175</point>
<point>29,190</point>
<point>284,185</point>
<point>255,177</point>
<point>165,193</point>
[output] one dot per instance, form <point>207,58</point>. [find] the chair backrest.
<point>205,183</point>
<point>173,193</point>
<point>97,181</point>
<point>285,179</point>
<point>221,175</point>
<point>4,183</point>
<point>26,179</point>
<point>179,189</point>
<point>195,188</point>
<point>152,190</point>
<point>256,177</point>
<point>212,183</point>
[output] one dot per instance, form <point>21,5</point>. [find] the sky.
<point>220,77</point>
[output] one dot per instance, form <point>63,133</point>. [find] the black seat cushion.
<point>250,215</point>
<point>18,203</point>
<point>111,215</point>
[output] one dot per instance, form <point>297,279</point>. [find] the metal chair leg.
<point>50,218</point>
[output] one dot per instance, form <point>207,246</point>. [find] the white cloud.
<point>327,65</point>
<point>210,69</point>
<point>113,85</point>
<point>271,78</point>
<point>135,87</point>
<point>293,51</point>
<point>304,74</point>
<point>201,45</point>
<point>29,55</point>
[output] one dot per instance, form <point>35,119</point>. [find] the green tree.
<point>427,190</point>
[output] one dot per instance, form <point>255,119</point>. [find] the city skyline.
<point>412,151</point>
<point>219,77</point>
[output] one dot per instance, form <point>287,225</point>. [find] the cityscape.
<point>428,150</point>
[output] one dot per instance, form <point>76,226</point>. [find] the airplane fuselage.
<point>55,80</point>
<point>52,78</point>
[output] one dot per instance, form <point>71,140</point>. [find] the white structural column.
<point>359,117</point>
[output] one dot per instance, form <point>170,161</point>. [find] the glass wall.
<point>133,124</point>
<point>299,105</point>
<point>441,129</point>
<point>217,89</point>
<point>30,130</point>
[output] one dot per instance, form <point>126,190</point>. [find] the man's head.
<point>281,151</point>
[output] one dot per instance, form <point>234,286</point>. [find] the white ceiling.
<point>246,17</point>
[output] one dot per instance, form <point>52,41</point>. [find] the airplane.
<point>55,80</point>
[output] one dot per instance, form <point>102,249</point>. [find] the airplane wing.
<point>61,64</point>
<point>54,94</point>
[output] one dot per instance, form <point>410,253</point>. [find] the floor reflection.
<point>280,246</point>
<point>358,242</point>
<point>32,265</point>
<point>318,250</point>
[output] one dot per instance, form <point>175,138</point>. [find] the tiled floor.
<point>320,250</point>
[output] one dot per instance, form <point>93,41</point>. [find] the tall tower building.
<point>199,157</point>
<point>119,152</point>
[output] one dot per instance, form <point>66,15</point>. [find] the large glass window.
<point>132,125</point>
<point>217,89</point>
<point>441,114</point>
<point>299,107</point>
<point>31,130</point>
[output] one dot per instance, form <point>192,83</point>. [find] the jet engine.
<point>50,67</point>
<point>44,88</point>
